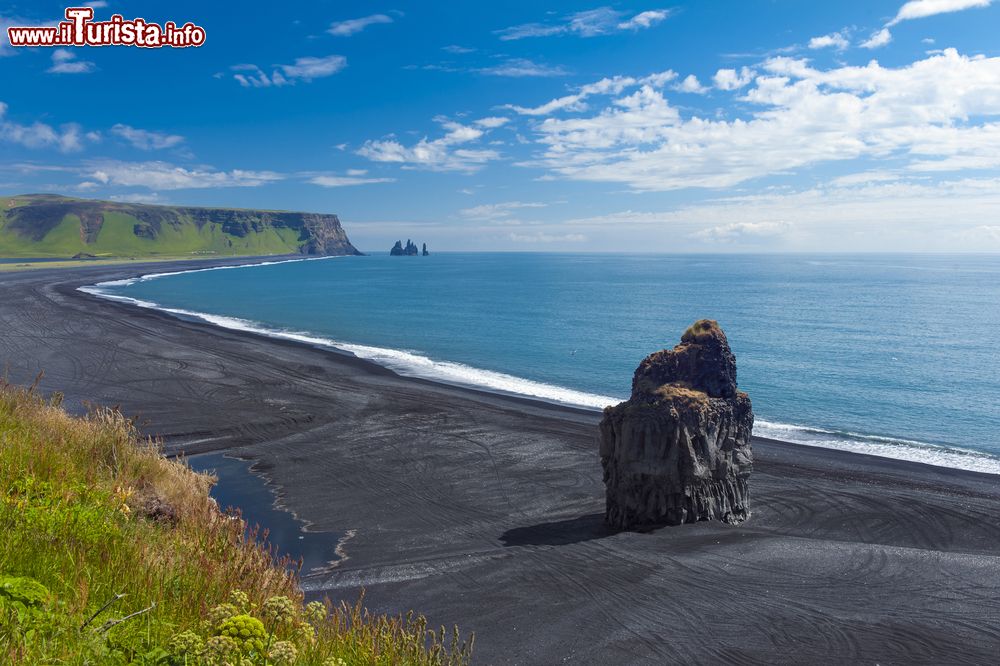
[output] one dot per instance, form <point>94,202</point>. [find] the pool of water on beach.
<point>239,487</point>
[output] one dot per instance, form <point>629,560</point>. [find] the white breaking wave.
<point>153,276</point>
<point>403,362</point>
<point>414,364</point>
<point>885,447</point>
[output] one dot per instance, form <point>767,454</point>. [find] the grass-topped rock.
<point>678,450</point>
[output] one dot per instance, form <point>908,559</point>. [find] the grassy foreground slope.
<point>112,554</point>
<point>47,225</point>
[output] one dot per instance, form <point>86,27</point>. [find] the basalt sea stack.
<point>678,451</point>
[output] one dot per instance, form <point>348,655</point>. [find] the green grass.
<point>112,554</point>
<point>116,238</point>
<point>103,261</point>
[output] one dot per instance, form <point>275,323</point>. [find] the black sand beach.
<point>486,511</point>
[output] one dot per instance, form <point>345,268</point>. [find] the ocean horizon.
<point>852,352</point>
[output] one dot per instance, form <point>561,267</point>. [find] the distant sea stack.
<point>678,450</point>
<point>409,250</point>
<point>43,225</point>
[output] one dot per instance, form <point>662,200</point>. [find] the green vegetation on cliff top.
<point>45,226</point>
<point>113,554</point>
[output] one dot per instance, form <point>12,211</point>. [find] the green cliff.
<point>48,225</point>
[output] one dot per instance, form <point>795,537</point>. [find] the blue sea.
<point>892,355</point>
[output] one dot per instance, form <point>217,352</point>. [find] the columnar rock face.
<point>678,451</point>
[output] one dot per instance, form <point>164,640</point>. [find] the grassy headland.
<point>113,554</point>
<point>48,225</point>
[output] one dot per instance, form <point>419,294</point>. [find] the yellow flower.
<point>247,631</point>
<point>221,613</point>
<point>278,610</point>
<point>334,661</point>
<point>240,599</point>
<point>315,612</point>
<point>186,643</point>
<point>219,648</point>
<point>283,653</point>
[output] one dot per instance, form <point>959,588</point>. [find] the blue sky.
<point>641,126</point>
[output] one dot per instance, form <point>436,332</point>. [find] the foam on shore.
<point>414,364</point>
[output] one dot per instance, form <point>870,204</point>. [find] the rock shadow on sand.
<point>561,532</point>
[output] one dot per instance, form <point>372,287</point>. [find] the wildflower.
<point>248,632</point>
<point>304,633</point>
<point>221,613</point>
<point>315,612</point>
<point>278,610</point>
<point>240,599</point>
<point>219,648</point>
<point>186,643</point>
<point>282,653</point>
<point>122,495</point>
<point>334,661</point>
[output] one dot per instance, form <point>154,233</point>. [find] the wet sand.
<point>485,511</point>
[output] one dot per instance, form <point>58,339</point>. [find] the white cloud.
<point>497,211</point>
<point>864,177</point>
<point>730,79</point>
<point>165,176</point>
<point>458,50</point>
<point>589,23</point>
<point>691,84</point>
<point>310,68</point>
<point>659,79</point>
<point>443,154</point>
<point>989,232</point>
<point>522,67</point>
<point>740,231</point>
<point>575,101</point>
<point>834,39</point>
<point>878,39</point>
<point>303,69</point>
<point>492,122</point>
<point>945,216</point>
<point>146,139</point>
<point>543,237</point>
<point>68,138</point>
<point>348,180</point>
<point>64,62</point>
<point>644,19</point>
<point>354,26</point>
<point>152,197</point>
<point>941,113</point>
<point>915,9</point>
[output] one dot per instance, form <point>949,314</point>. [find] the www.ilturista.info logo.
<point>79,29</point>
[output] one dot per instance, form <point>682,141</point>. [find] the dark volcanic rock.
<point>410,250</point>
<point>678,451</point>
<point>425,252</point>
<point>144,230</point>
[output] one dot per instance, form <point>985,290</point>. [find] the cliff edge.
<point>48,225</point>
